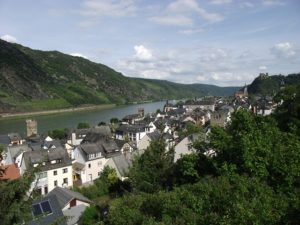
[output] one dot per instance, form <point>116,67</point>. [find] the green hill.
<point>38,80</point>
<point>270,85</point>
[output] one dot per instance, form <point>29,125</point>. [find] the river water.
<point>71,119</point>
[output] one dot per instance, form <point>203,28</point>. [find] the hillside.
<point>37,80</point>
<point>270,85</point>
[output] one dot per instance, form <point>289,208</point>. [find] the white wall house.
<point>55,169</point>
<point>133,132</point>
<point>93,158</point>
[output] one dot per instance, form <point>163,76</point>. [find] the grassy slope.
<point>39,80</point>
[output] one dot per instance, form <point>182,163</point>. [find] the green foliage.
<point>14,204</point>
<point>190,129</point>
<point>222,200</point>
<point>114,120</point>
<point>288,112</point>
<point>152,170</point>
<point>271,85</point>
<point>90,216</point>
<point>59,133</point>
<point>83,125</point>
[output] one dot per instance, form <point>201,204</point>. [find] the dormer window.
<point>53,161</point>
<point>91,156</point>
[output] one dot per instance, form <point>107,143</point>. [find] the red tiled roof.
<point>11,172</point>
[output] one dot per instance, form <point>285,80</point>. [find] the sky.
<point>220,42</point>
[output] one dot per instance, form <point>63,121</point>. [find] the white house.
<point>92,158</point>
<point>133,132</point>
<point>55,169</point>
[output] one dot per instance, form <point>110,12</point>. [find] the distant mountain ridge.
<point>33,80</point>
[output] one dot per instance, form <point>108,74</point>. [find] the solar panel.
<point>46,207</point>
<point>37,209</point>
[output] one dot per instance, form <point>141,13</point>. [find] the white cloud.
<point>283,50</point>
<point>191,31</point>
<point>9,38</point>
<point>142,53</point>
<point>110,8</point>
<point>220,2</point>
<point>173,20</point>
<point>184,13</point>
<point>79,55</point>
<point>272,2</point>
<point>262,68</point>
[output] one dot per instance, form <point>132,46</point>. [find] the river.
<point>71,119</point>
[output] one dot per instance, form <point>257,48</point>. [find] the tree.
<point>114,120</point>
<point>83,125</point>
<point>152,170</point>
<point>14,203</point>
<point>59,133</point>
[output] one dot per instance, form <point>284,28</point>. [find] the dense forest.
<point>253,177</point>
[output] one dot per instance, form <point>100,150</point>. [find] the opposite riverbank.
<point>56,111</point>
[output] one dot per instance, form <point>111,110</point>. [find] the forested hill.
<point>270,85</point>
<point>36,80</point>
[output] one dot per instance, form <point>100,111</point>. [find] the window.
<point>89,165</point>
<point>66,181</point>
<point>55,183</point>
<point>55,172</point>
<point>46,189</point>
<point>99,173</point>
<point>100,163</point>
<point>41,208</point>
<point>65,170</point>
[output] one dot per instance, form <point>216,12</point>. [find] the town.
<point>79,158</point>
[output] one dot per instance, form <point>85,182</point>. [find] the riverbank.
<point>56,111</point>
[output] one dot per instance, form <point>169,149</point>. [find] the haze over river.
<point>71,119</point>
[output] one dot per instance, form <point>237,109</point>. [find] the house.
<point>11,139</point>
<point>11,172</point>
<point>184,147</point>
<point>121,164</point>
<point>55,169</point>
<point>76,136</point>
<point>14,153</point>
<point>71,203</point>
<point>130,132</point>
<point>241,93</point>
<point>168,107</point>
<point>133,118</point>
<point>222,116</point>
<point>90,158</point>
<point>154,136</point>
<point>47,211</point>
<point>208,104</point>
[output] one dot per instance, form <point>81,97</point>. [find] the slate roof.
<point>125,128</point>
<point>64,196</point>
<point>155,135</point>
<point>121,163</point>
<point>46,156</point>
<point>56,217</point>
<point>91,148</point>
<point>131,117</point>
<point>14,151</point>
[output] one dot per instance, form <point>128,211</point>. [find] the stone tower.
<point>31,127</point>
<point>141,112</point>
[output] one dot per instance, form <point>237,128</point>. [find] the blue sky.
<point>221,42</point>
